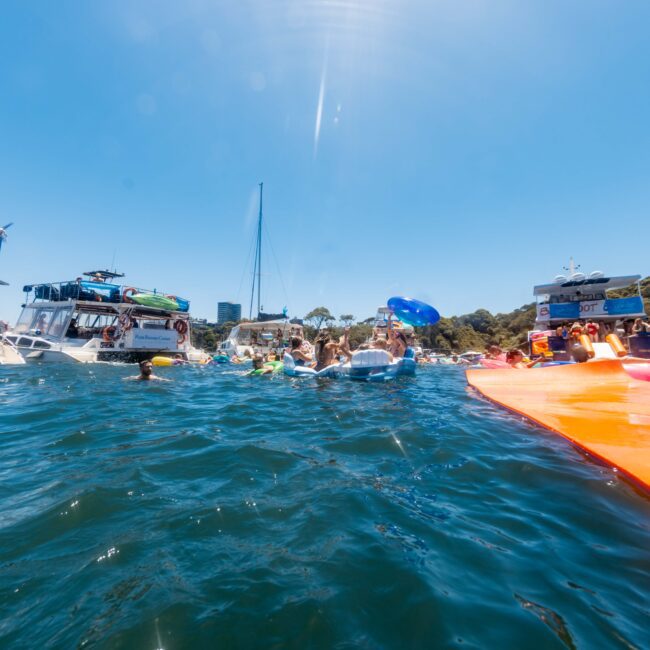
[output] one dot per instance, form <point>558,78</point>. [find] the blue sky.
<point>458,152</point>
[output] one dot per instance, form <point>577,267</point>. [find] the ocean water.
<point>220,511</point>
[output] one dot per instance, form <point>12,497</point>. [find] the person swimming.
<point>146,373</point>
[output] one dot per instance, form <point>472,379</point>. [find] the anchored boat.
<point>94,318</point>
<point>580,297</point>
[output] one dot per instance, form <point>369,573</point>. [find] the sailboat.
<point>263,332</point>
<point>8,353</point>
<point>3,238</point>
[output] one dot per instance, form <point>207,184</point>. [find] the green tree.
<point>347,319</point>
<point>319,316</point>
<point>209,340</point>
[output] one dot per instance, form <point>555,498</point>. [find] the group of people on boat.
<point>598,331</point>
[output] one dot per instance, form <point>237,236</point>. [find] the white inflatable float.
<point>366,365</point>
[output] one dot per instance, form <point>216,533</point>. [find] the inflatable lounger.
<point>366,365</point>
<point>595,405</point>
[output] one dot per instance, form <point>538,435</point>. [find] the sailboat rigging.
<point>257,266</point>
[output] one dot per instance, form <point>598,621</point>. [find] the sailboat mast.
<point>259,253</point>
<point>257,266</point>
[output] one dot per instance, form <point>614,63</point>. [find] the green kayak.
<point>154,300</point>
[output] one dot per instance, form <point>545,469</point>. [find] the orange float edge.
<point>597,406</point>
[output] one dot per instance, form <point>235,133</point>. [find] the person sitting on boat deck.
<point>515,358</point>
<point>300,357</point>
<point>640,327</point>
<point>73,330</point>
<point>146,373</point>
<point>397,343</point>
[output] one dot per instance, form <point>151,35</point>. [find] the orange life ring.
<point>108,333</point>
<point>181,339</point>
<point>128,291</point>
<point>181,327</point>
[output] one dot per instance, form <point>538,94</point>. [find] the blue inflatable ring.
<point>413,312</point>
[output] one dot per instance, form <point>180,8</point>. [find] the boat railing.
<point>93,291</point>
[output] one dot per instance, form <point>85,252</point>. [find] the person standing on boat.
<point>592,331</point>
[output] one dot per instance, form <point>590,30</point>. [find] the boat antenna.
<point>257,267</point>
<point>572,268</point>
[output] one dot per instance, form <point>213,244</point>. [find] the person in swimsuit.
<point>382,344</point>
<point>326,351</point>
<point>640,327</point>
<point>516,359</point>
<point>592,331</point>
<point>397,343</point>
<point>300,357</point>
<point>496,353</point>
<point>146,373</point>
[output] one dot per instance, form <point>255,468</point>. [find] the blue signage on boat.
<point>565,310</point>
<point>624,306</point>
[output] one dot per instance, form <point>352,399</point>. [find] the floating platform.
<point>597,406</point>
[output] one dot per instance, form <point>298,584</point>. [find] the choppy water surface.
<point>222,511</point>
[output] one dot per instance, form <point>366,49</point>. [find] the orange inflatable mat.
<point>595,405</point>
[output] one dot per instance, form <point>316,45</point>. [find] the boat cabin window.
<point>59,322</point>
<point>42,344</point>
<point>156,324</point>
<point>25,342</point>
<point>34,317</point>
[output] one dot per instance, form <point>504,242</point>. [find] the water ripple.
<point>222,510</point>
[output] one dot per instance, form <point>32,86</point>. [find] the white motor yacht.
<point>93,318</point>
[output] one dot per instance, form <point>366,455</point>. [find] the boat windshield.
<point>47,320</point>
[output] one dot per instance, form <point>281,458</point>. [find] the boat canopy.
<point>258,326</point>
<point>594,284</point>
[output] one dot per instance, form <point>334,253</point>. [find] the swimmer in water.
<point>146,373</point>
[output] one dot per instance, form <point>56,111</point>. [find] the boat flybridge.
<point>579,296</point>
<point>94,318</point>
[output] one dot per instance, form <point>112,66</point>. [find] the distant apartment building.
<point>228,312</point>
